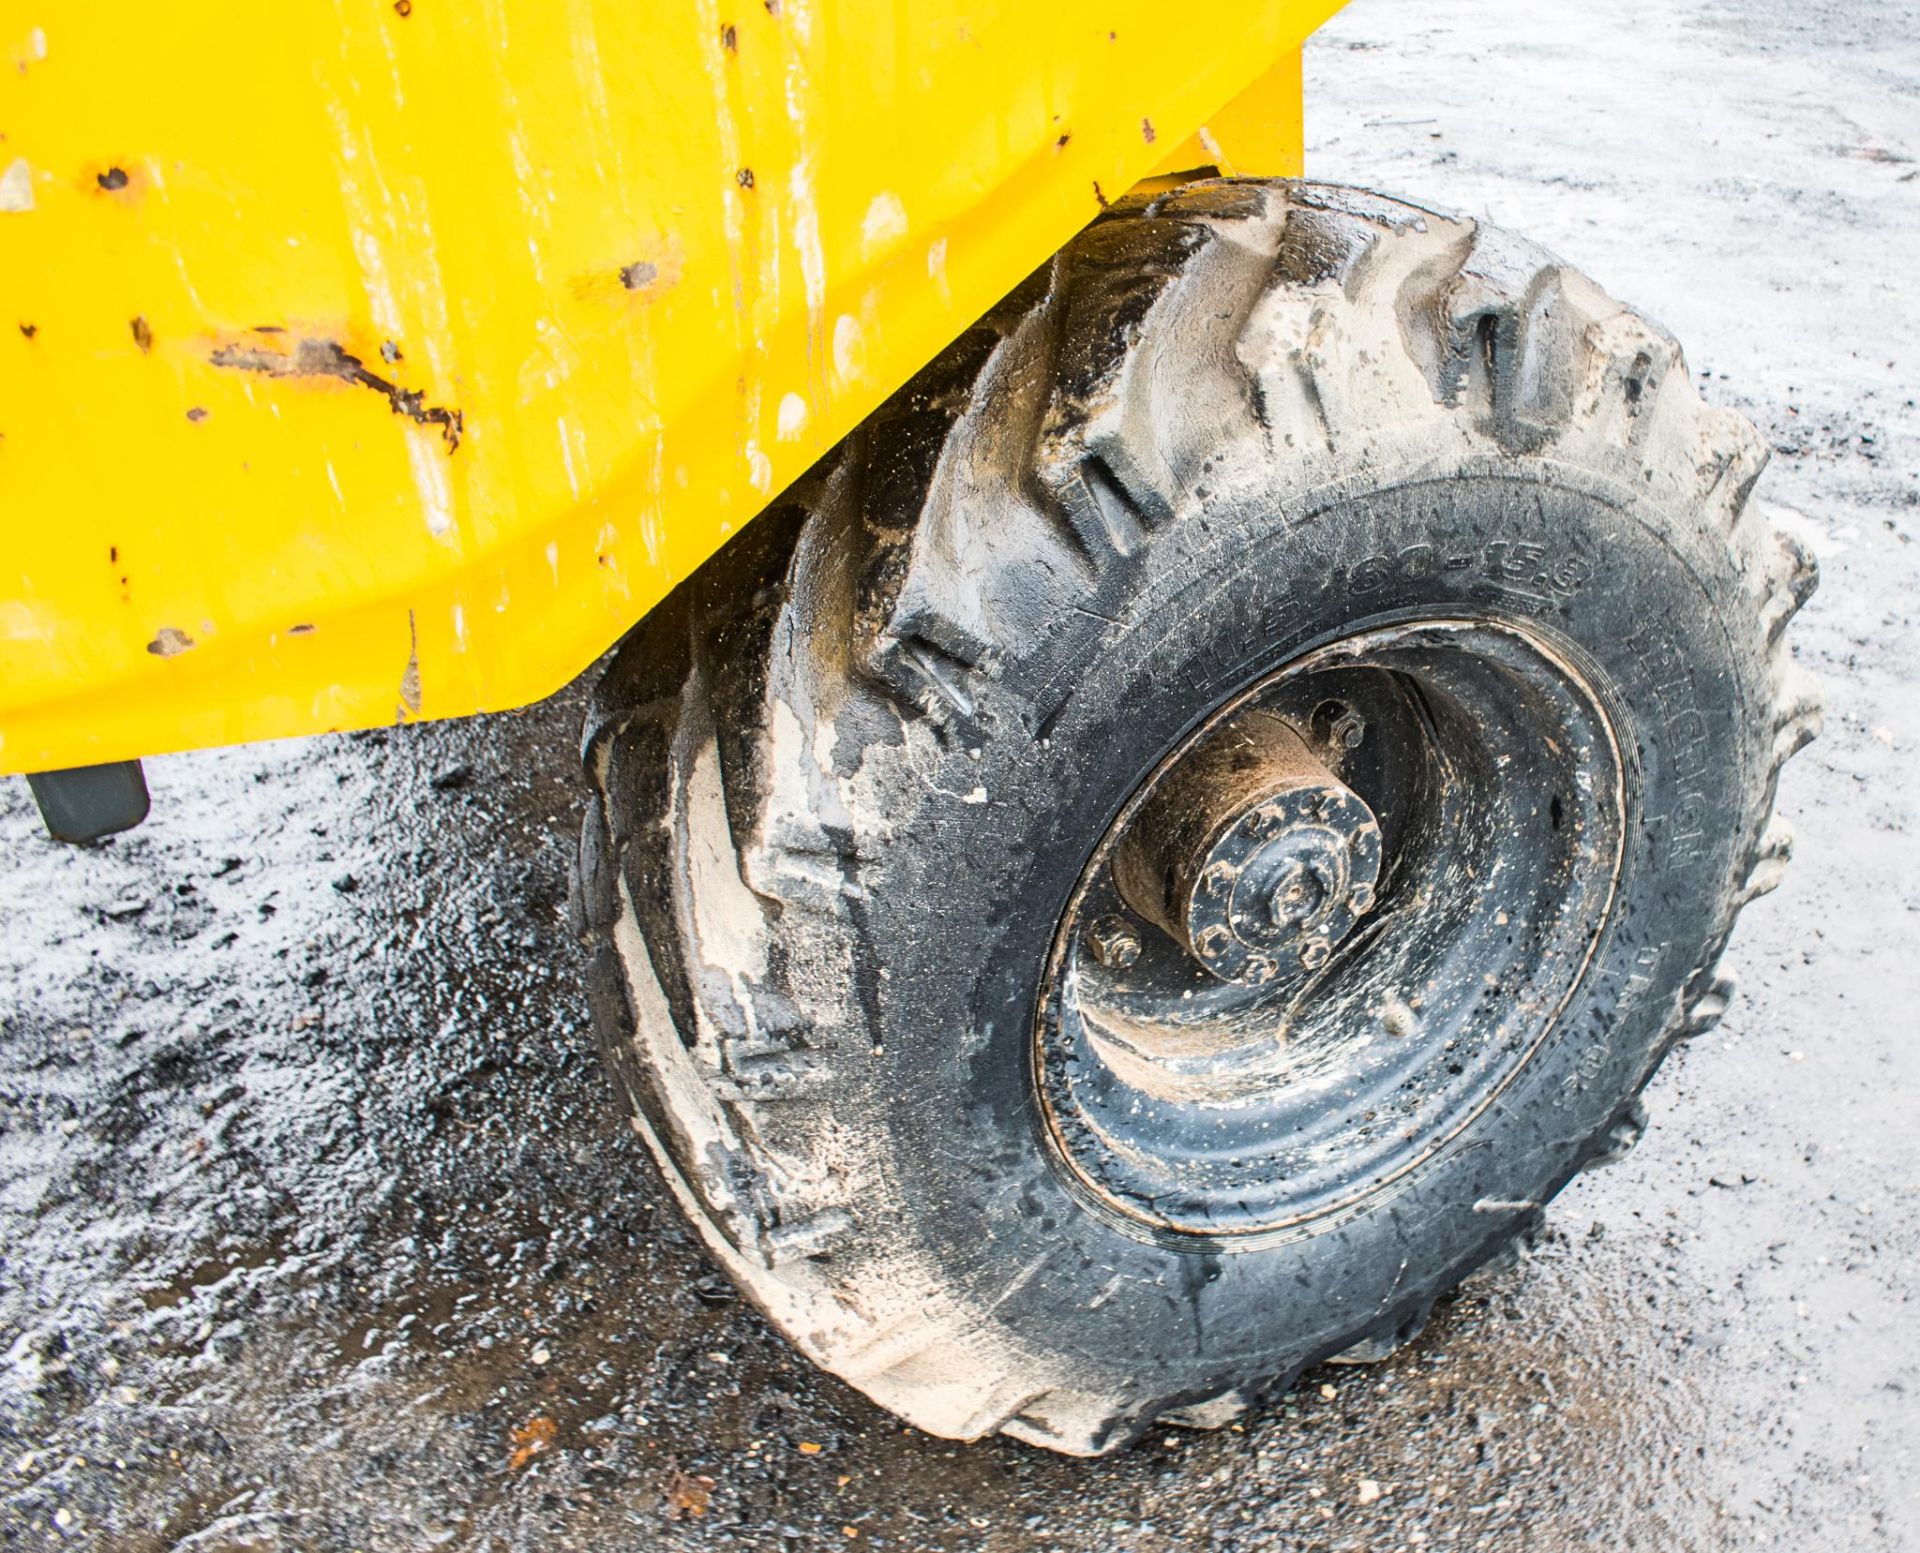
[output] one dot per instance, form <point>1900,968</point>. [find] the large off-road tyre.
<point>1276,539</point>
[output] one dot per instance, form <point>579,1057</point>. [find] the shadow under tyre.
<point>1169,846</point>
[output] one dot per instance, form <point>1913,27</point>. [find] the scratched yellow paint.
<point>372,361</point>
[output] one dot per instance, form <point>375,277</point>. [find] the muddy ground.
<point>319,1230</point>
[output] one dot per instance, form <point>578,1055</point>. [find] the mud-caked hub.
<point>1251,855</point>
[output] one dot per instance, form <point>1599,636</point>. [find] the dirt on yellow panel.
<point>388,360</point>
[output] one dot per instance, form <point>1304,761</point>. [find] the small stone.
<point>713,1290</point>
<point>1397,1019</point>
<point>1369,1493</point>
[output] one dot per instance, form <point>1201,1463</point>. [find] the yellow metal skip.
<point>386,360</point>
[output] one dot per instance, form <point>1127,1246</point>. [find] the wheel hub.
<point>1251,855</point>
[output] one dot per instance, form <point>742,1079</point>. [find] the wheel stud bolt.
<point>1341,726</point>
<point>1113,942</point>
<point>1313,953</point>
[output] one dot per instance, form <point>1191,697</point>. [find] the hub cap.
<point>1328,929</point>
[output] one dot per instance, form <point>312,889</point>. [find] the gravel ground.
<point>319,1230</point>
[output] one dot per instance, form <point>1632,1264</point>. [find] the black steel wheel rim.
<point>1329,929</point>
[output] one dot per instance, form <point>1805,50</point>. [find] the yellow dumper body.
<point>387,360</point>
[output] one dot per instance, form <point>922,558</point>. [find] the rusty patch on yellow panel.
<point>322,358</point>
<point>651,272</point>
<point>110,178</point>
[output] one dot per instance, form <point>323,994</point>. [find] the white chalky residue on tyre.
<point>727,918</point>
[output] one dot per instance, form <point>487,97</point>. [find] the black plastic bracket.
<point>88,802</point>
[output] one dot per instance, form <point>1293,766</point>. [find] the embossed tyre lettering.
<point>1168,848</point>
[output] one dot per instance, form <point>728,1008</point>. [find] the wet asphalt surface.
<point>318,1229</point>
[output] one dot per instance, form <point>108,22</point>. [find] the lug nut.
<point>1259,822</point>
<point>1219,878</point>
<point>1113,942</point>
<point>1341,726</point>
<point>1313,953</point>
